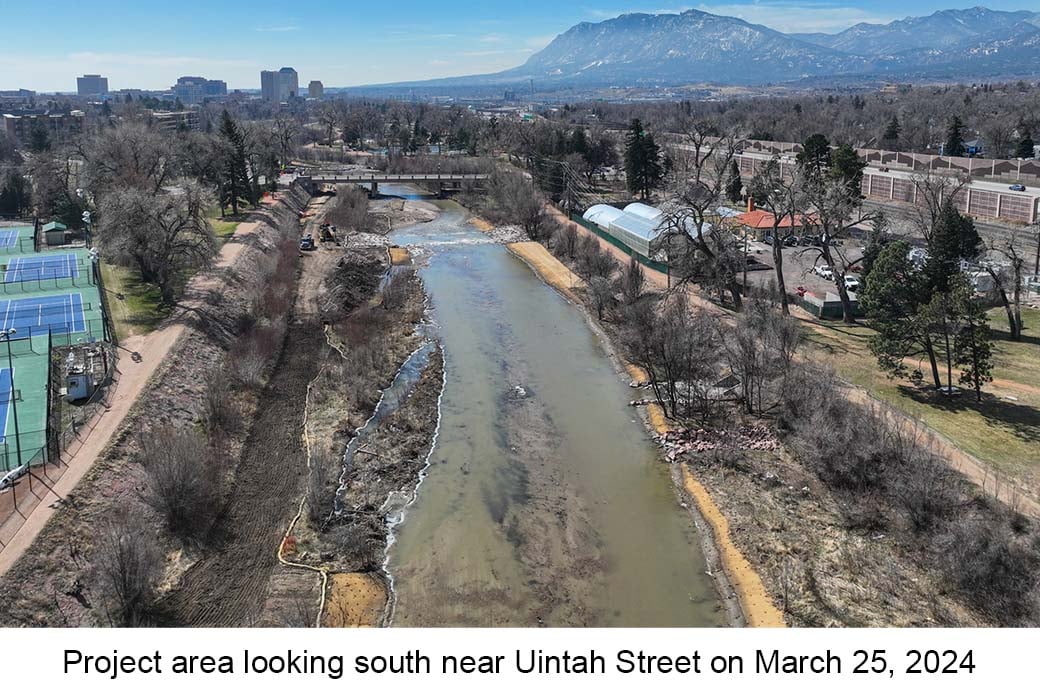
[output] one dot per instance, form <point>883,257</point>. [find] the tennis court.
<point>37,315</point>
<point>8,238</point>
<point>23,268</point>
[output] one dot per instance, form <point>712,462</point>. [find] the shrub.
<point>182,480</point>
<point>129,567</point>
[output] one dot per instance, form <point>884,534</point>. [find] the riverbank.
<point>738,584</point>
<point>806,559</point>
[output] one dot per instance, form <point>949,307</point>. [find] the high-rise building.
<point>195,90</point>
<point>91,85</point>
<point>279,86</point>
<point>315,90</point>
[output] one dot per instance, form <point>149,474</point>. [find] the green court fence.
<point>85,279</point>
<point>99,280</point>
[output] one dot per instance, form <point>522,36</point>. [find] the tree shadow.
<point>1024,420</point>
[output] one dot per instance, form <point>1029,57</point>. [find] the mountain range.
<point>650,50</point>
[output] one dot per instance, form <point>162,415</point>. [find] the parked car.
<point>852,283</point>
<point>307,243</point>
<point>1017,187</point>
<point>792,241</point>
<point>12,476</point>
<point>824,271</point>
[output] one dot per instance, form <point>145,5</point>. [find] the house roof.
<point>760,219</point>
<point>54,227</point>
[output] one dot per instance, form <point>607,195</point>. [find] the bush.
<point>129,567</point>
<point>183,480</point>
<point>995,568</point>
<point>321,486</point>
<point>220,415</point>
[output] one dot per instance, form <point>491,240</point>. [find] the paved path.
<point>140,356</point>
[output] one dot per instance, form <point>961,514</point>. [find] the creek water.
<point>545,502</point>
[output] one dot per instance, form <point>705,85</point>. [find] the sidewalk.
<point>139,359</point>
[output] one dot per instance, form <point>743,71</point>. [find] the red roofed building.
<point>758,223</point>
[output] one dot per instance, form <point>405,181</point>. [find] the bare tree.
<point>932,191</point>
<point>836,210</point>
<point>701,164</point>
<point>1007,277</point>
<point>129,567</point>
<point>782,198</point>
<point>130,155</point>
<point>760,351</point>
<point>164,236</point>
<point>632,282</point>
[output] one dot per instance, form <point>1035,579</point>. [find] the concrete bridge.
<point>315,180</point>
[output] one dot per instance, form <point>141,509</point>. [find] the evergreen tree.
<point>952,239</point>
<point>973,347</point>
<point>846,166</point>
<point>734,184</point>
<point>892,132</point>
<point>15,197</point>
<point>39,138</point>
<point>895,299</point>
<point>1026,147</point>
<point>815,156</point>
<point>643,167</point>
<point>877,241</point>
<point>954,146</point>
<point>234,176</point>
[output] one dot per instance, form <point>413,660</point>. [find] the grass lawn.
<point>223,229</point>
<point>1003,430</point>
<point>135,305</point>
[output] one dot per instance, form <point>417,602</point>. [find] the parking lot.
<point>799,262</point>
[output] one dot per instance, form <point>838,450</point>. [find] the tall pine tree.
<point>234,173</point>
<point>643,166</point>
<point>954,146</point>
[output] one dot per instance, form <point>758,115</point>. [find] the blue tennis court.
<point>5,402</point>
<point>8,238</point>
<point>31,316</point>
<point>42,268</point>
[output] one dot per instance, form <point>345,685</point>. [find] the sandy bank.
<point>545,265</point>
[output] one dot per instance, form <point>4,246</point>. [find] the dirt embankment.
<point>56,582</point>
<point>333,552</point>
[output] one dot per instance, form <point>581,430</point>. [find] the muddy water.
<point>544,502</point>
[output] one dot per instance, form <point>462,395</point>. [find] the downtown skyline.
<point>337,44</point>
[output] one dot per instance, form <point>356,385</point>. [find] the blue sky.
<point>47,43</point>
